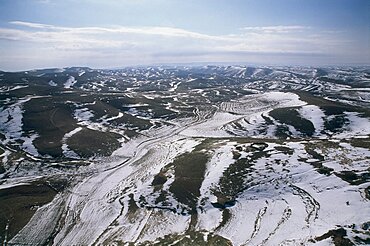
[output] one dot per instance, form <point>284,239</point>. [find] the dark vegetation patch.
<point>198,83</point>
<point>132,206</point>
<point>121,102</point>
<point>365,226</point>
<point>361,142</point>
<point>206,144</point>
<point>367,192</point>
<point>190,238</point>
<point>226,216</point>
<point>189,175</point>
<point>132,122</point>
<point>50,120</point>
<point>310,150</point>
<point>246,140</point>
<point>101,108</point>
<point>267,119</point>
<point>336,123</point>
<point>223,202</point>
<point>113,105</point>
<point>363,241</point>
<point>330,107</point>
<point>236,155</point>
<point>285,150</point>
<point>151,87</point>
<point>233,180</point>
<point>31,90</point>
<point>159,179</point>
<point>319,167</point>
<point>188,171</point>
<point>354,178</point>
<point>362,233</point>
<point>290,116</point>
<point>338,236</point>
<point>2,169</point>
<point>88,143</point>
<point>19,203</point>
<point>282,132</point>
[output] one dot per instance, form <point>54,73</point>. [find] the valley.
<point>182,155</point>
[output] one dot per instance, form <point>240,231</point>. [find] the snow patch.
<point>314,114</point>
<point>70,82</point>
<point>52,83</point>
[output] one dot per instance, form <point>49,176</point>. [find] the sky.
<point>119,33</point>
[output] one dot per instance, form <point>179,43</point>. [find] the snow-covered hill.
<point>213,155</point>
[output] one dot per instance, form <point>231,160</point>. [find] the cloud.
<point>275,29</point>
<point>44,1</point>
<point>117,45</point>
<point>31,24</point>
<point>267,39</point>
<point>163,31</point>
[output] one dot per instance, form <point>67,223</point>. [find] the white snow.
<point>162,223</point>
<point>70,82</point>
<point>284,99</point>
<point>83,116</point>
<point>221,159</point>
<point>174,86</point>
<point>285,200</point>
<point>98,197</point>
<point>66,150</point>
<point>211,217</point>
<point>7,88</point>
<point>211,127</point>
<point>11,122</point>
<point>28,144</point>
<point>120,115</point>
<point>250,107</point>
<point>358,126</point>
<point>4,156</point>
<point>135,105</point>
<point>314,114</point>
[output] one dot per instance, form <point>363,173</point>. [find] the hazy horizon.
<point>109,34</point>
<point>197,64</point>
